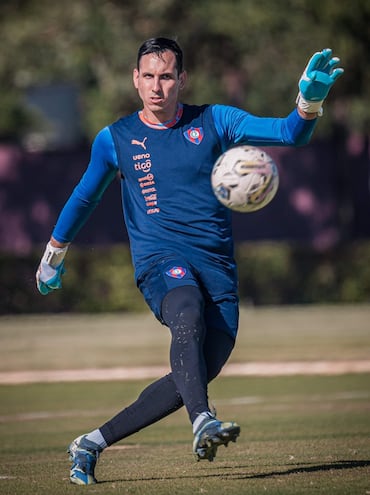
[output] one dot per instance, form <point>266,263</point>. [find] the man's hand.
<point>51,268</point>
<point>318,77</point>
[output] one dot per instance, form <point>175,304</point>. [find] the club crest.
<point>194,134</point>
<point>176,272</point>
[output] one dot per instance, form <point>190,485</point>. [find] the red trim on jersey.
<point>162,125</point>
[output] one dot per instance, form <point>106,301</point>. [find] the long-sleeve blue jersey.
<point>168,203</point>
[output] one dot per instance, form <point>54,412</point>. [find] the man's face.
<point>158,85</point>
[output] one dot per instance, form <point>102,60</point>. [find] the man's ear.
<point>183,78</point>
<point>135,77</point>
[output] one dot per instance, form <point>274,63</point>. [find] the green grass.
<point>300,434</point>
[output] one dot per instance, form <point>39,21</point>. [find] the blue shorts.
<point>216,280</point>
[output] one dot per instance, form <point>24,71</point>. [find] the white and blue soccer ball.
<point>245,178</point>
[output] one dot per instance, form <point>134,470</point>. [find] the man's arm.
<point>99,174</point>
<point>236,126</point>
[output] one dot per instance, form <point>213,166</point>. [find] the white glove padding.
<point>318,77</point>
<point>51,268</point>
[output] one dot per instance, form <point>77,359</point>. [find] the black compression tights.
<point>196,358</point>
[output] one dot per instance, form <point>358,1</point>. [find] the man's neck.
<point>162,123</point>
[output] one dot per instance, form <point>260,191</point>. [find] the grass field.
<point>300,434</point>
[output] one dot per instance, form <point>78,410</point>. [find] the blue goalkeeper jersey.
<point>169,207</point>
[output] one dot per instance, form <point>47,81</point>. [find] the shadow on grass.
<point>337,465</point>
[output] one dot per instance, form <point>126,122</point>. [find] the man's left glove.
<point>318,77</point>
<point>51,268</point>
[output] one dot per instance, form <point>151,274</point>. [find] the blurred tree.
<point>245,52</point>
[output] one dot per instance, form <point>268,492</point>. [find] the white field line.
<point>149,372</point>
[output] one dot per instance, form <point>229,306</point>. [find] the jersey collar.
<point>163,125</point>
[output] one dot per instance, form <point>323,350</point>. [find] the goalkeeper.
<point>180,235</point>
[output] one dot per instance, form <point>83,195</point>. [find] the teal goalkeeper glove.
<point>318,77</point>
<point>51,268</point>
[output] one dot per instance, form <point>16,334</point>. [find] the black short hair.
<point>160,45</point>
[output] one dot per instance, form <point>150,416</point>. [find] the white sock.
<point>201,417</point>
<point>96,437</point>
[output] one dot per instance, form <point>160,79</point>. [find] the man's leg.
<point>156,401</point>
<point>182,312</point>
<point>204,357</point>
<point>165,395</point>
<point>197,356</point>
<point>218,347</point>
<point>162,397</point>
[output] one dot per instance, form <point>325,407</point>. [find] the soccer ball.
<point>245,178</point>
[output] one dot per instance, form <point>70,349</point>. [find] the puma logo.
<point>139,143</point>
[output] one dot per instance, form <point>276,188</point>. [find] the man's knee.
<point>185,304</point>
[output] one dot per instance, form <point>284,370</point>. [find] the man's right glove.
<point>51,268</point>
<point>318,77</point>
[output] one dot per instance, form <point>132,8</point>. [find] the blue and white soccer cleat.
<point>84,454</point>
<point>211,434</point>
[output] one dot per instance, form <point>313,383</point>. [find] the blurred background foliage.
<point>100,279</point>
<point>245,52</point>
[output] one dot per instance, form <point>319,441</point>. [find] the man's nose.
<point>156,84</point>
